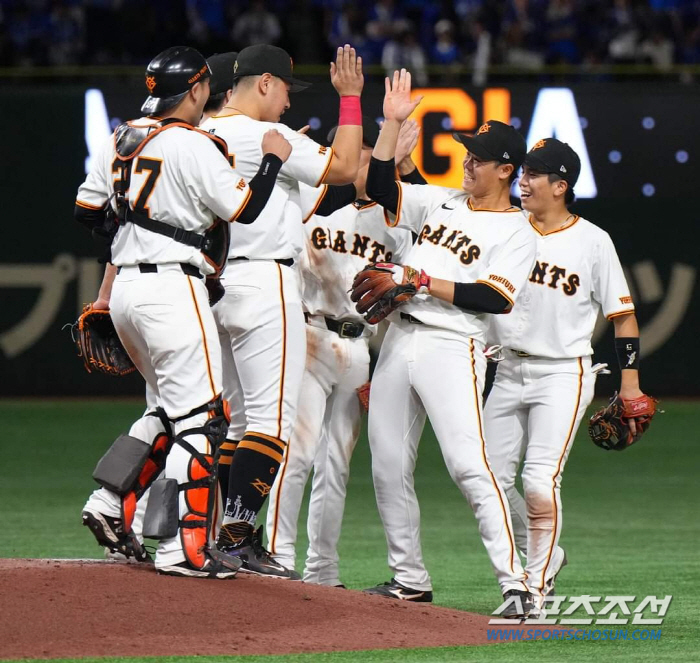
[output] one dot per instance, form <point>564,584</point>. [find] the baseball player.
<point>167,182</point>
<point>337,364</point>
<point>474,253</point>
<point>260,318</point>
<point>545,382</point>
<point>220,84</point>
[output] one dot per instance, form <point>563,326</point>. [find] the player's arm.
<point>627,351</point>
<point>475,297</point>
<point>105,293</point>
<point>406,143</point>
<point>381,178</point>
<point>347,79</point>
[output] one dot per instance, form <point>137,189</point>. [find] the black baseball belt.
<point>344,328</point>
<point>151,268</point>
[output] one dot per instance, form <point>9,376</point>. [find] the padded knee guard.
<point>150,469</point>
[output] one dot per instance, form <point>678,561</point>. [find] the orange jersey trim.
<point>328,167</point>
<point>619,314</point>
<point>558,230</point>
<point>81,203</point>
<point>242,206</point>
<point>509,210</point>
<point>558,472</point>
<point>318,203</point>
<point>497,289</point>
<point>204,339</point>
<point>483,453</point>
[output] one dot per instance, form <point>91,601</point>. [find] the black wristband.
<point>414,177</point>
<point>627,351</point>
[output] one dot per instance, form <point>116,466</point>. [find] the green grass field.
<point>630,525</point>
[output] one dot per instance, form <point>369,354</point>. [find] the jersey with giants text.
<point>458,243</point>
<point>576,273</point>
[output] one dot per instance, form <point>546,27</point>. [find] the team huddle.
<point>248,269</point>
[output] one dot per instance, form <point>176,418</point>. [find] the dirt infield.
<point>71,608</point>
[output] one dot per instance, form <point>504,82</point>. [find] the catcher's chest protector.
<point>129,141</point>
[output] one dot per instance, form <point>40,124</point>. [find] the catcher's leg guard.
<point>161,518</point>
<point>150,469</point>
<point>200,488</point>
<point>119,468</point>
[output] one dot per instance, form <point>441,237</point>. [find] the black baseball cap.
<point>550,155</point>
<point>221,65</point>
<point>170,75</point>
<point>266,59</point>
<point>370,131</point>
<point>495,141</point>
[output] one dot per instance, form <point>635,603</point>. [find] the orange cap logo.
<point>539,145</point>
<point>151,83</point>
<point>484,129</point>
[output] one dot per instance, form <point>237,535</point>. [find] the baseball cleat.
<point>110,534</point>
<point>395,590</point>
<point>521,607</point>
<point>548,589</point>
<point>212,569</point>
<point>251,554</point>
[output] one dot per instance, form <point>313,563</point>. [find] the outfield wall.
<point>640,152</point>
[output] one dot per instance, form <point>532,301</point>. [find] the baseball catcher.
<point>622,422</point>
<point>380,288</point>
<point>98,343</point>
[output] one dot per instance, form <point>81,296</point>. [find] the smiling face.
<point>538,194</point>
<point>482,176</point>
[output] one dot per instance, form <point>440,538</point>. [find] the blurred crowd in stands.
<point>525,34</point>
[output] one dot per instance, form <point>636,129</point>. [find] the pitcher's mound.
<point>73,608</point>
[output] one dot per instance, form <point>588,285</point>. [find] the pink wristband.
<point>350,111</point>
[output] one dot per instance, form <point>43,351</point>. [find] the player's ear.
<point>264,83</point>
<point>505,170</point>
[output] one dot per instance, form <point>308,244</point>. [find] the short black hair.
<point>215,102</point>
<point>569,196</point>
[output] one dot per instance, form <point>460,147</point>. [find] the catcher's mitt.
<point>382,287</point>
<point>609,427</point>
<point>98,343</point>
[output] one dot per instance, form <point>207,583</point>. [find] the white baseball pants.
<point>426,370</point>
<point>328,425</point>
<point>534,410</point>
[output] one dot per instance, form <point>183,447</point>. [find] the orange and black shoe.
<point>250,551</point>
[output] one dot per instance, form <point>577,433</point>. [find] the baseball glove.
<point>609,427</point>
<point>98,343</point>
<point>380,288</point>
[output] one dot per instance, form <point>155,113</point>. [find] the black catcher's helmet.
<point>170,75</point>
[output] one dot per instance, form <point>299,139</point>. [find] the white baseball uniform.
<point>545,382</point>
<point>329,414</point>
<point>432,362</point>
<point>260,317</point>
<point>162,314</point>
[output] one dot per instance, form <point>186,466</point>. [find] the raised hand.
<point>346,72</point>
<point>397,97</point>
<point>407,141</point>
<point>274,142</point>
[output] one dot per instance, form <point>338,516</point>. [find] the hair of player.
<point>569,196</point>
<point>244,82</point>
<point>215,102</point>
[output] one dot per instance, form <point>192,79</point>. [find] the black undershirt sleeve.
<point>414,177</point>
<point>381,184</point>
<point>261,188</point>
<point>90,218</point>
<point>480,298</point>
<point>335,198</point>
